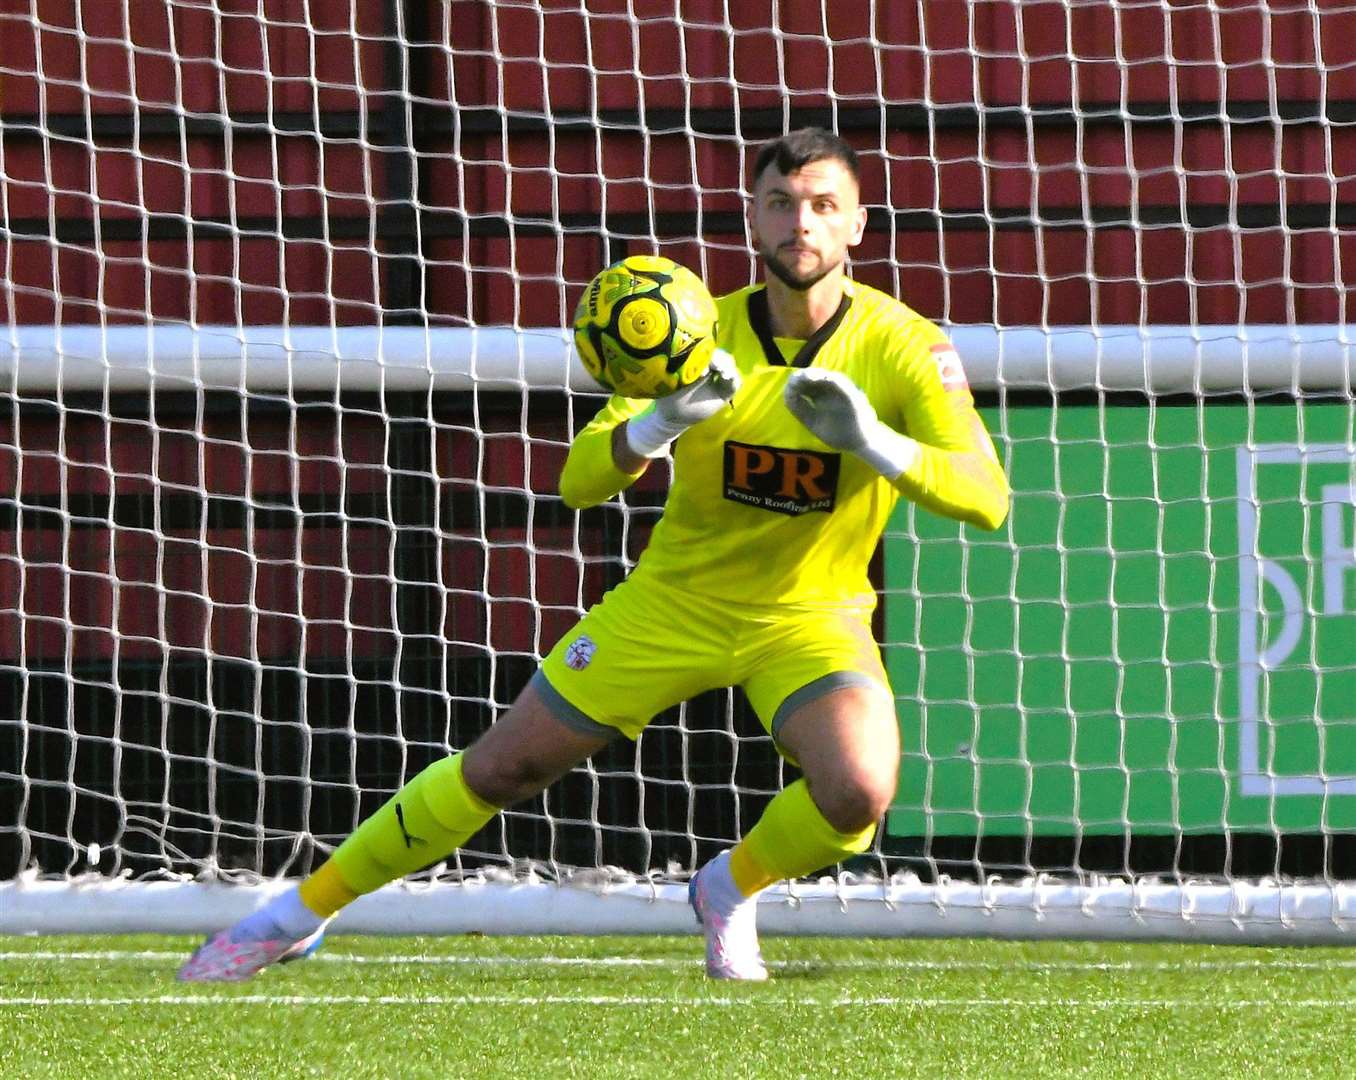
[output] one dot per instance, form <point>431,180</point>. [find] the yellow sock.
<point>790,840</point>
<point>749,877</point>
<point>426,820</point>
<point>325,891</point>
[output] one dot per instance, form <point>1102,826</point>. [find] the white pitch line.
<point>696,1002</point>
<point>677,962</point>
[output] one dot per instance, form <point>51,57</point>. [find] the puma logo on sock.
<point>410,840</point>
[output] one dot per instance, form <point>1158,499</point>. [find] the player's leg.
<point>818,685</point>
<point>846,743</point>
<point>595,684</point>
<point>527,749</point>
<point>523,752</point>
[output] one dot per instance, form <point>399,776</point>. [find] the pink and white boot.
<point>729,919</point>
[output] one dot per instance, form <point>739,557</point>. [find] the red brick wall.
<point>972,221</point>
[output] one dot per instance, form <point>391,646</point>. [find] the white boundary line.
<point>1176,967</point>
<point>756,1000</point>
<point>1258,778</point>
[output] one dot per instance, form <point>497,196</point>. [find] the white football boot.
<point>731,932</point>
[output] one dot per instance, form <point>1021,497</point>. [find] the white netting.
<point>283,397</point>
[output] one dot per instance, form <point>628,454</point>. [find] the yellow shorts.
<point>645,647</point>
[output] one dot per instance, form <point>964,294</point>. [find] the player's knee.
<point>857,801</point>
<point>504,778</point>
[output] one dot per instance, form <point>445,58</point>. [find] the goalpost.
<point>284,394</point>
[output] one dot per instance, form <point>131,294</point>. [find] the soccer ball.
<point>645,327</point>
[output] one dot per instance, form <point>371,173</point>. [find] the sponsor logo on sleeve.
<point>949,367</point>
<point>784,481</point>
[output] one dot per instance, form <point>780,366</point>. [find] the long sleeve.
<point>957,474</point>
<point>590,475</point>
<point>968,485</point>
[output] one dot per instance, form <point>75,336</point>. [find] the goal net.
<point>284,396</point>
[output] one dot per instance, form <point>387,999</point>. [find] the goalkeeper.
<point>829,401</point>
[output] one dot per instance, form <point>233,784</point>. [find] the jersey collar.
<point>761,321</point>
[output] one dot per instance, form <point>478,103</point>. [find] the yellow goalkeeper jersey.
<point>760,510</point>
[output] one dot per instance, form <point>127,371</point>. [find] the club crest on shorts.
<point>579,652</point>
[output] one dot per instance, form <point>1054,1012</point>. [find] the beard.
<point>790,278</point>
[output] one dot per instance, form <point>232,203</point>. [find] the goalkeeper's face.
<point>803,223</point>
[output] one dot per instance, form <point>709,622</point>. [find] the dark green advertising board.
<point>1162,639</point>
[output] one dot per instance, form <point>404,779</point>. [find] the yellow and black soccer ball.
<point>645,327</point>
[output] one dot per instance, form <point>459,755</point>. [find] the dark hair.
<point>799,148</point>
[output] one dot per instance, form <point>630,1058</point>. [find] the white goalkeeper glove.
<point>835,409</point>
<point>649,434</point>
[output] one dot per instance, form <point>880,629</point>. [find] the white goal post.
<point>605,900</point>
<point>284,393</point>
<point>1148,360</point>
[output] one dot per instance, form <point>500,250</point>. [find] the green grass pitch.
<point>618,1007</point>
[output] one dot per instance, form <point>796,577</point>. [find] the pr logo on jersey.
<point>579,652</point>
<point>949,367</point>
<point>784,481</point>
